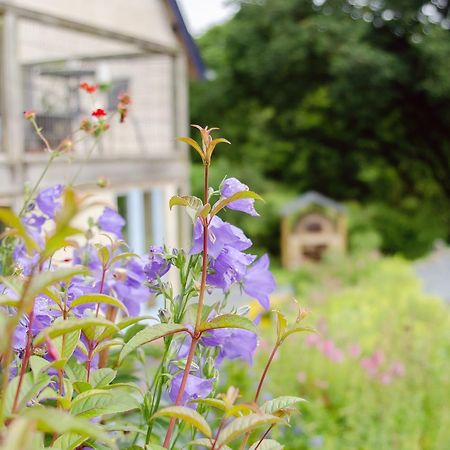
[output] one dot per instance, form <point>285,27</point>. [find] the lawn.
<point>375,377</point>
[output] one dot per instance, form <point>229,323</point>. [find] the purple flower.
<point>112,222</point>
<point>229,267</point>
<point>233,343</point>
<point>131,291</point>
<point>47,200</point>
<point>220,234</point>
<point>24,260</point>
<point>231,186</point>
<point>196,387</point>
<point>43,316</point>
<point>87,256</point>
<point>259,282</point>
<point>157,265</point>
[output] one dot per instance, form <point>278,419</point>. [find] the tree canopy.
<point>347,97</point>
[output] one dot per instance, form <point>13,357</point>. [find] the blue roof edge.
<point>191,46</point>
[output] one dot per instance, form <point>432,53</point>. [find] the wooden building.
<point>310,225</point>
<point>47,48</point>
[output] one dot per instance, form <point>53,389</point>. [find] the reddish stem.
<point>196,335</point>
<point>258,390</point>
<point>263,437</point>
<point>182,388</point>
<point>102,285</point>
<point>90,343</point>
<point>266,369</point>
<point>26,358</point>
<point>222,423</point>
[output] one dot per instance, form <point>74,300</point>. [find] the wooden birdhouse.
<point>311,225</point>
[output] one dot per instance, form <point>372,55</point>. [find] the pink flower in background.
<point>378,357</point>
<point>372,363</point>
<point>354,350</point>
<point>397,369</point>
<point>329,349</point>
<point>312,340</point>
<point>301,377</point>
<point>385,378</point>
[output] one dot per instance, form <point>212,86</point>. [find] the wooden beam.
<point>11,103</point>
<point>69,24</point>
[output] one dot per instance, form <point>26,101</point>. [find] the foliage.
<point>346,98</point>
<point>77,370</point>
<point>376,374</point>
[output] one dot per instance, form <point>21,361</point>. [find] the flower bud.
<point>164,315</point>
<point>120,274</point>
<point>209,368</point>
<point>243,310</point>
<point>102,182</point>
<point>29,115</point>
<point>51,350</point>
<point>85,125</point>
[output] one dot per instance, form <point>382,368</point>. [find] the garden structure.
<point>140,47</point>
<point>310,225</point>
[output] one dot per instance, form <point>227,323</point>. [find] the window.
<point>313,227</point>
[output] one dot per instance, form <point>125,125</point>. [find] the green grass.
<point>376,305</point>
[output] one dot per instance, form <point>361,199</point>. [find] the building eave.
<point>196,65</point>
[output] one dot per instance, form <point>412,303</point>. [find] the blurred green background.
<point>350,98</point>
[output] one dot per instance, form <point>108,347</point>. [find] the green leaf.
<point>298,330</point>
<point>281,325</point>
<point>192,204</point>
<point>124,255</point>
<point>98,298</point>
<point>213,143</point>
<point>203,212</point>
<point>19,435</point>
<point>267,444</point>
<point>102,377</point>
<point>106,344</point>
<point>69,441</point>
<point>244,424</point>
<point>193,144</point>
<point>204,442</point>
<point>187,415</point>
<point>150,334</point>
<point>66,345</point>
<point>75,371</point>
<point>279,403</point>
<point>61,327</point>
<point>228,321</point>
<point>37,365</point>
<point>222,203</point>
<point>59,240</point>
<point>42,280</point>
<point>212,402</point>
<point>28,390</point>
<point>12,221</point>
<point>91,403</point>
<point>122,325</point>
<point>7,301</point>
<point>51,420</point>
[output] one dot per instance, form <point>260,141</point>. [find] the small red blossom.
<point>29,115</point>
<point>85,125</point>
<point>89,88</point>
<point>124,98</point>
<point>99,112</point>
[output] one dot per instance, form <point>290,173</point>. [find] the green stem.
<point>196,335</point>
<point>30,196</point>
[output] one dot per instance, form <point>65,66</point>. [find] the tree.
<point>346,97</point>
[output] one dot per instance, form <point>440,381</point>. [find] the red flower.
<point>99,113</point>
<point>89,88</point>
<point>29,115</point>
<point>124,98</point>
